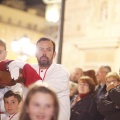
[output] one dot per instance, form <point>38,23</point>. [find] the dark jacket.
<point>99,92</point>
<point>109,105</point>
<point>85,109</point>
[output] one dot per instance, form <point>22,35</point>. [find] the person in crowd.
<point>12,102</point>
<point>3,54</point>
<point>41,103</point>
<point>73,89</point>
<point>3,50</point>
<point>101,87</point>
<point>109,105</point>
<point>3,90</point>
<point>76,74</point>
<point>91,73</point>
<point>84,106</point>
<point>55,75</point>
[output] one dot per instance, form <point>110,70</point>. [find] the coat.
<point>58,79</point>
<point>85,109</point>
<point>109,105</point>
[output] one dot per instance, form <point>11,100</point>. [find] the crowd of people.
<point>50,93</point>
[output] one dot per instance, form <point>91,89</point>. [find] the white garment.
<point>58,79</point>
<point>12,117</point>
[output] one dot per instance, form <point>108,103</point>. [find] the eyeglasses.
<point>112,81</point>
<point>84,84</point>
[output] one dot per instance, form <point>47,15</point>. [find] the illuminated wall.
<point>14,24</point>
<point>92,34</point>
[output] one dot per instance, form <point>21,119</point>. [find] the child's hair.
<point>42,89</point>
<point>12,93</point>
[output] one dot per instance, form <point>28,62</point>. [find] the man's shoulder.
<point>58,66</point>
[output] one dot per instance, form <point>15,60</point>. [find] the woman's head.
<point>40,103</point>
<point>112,77</point>
<point>86,85</point>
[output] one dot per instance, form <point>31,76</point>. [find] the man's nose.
<point>44,52</point>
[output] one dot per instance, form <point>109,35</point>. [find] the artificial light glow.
<point>23,46</point>
<point>30,50</point>
<point>52,13</point>
<point>51,1</point>
<point>15,46</point>
<point>24,42</point>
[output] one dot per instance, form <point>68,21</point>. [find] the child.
<point>41,103</point>
<point>12,103</point>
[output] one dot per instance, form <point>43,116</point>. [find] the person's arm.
<point>106,106</point>
<point>114,95</point>
<point>4,65</point>
<point>28,72</point>
<point>30,75</point>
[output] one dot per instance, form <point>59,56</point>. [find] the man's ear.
<point>54,54</point>
<point>5,55</point>
<point>36,53</point>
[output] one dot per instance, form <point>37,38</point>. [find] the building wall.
<point>15,24</point>
<point>91,34</point>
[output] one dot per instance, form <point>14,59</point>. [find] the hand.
<point>110,86</point>
<point>14,68</point>
<point>16,63</point>
<point>14,73</point>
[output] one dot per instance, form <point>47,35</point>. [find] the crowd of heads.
<point>41,102</point>
<point>101,76</point>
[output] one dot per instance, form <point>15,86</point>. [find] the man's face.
<point>75,75</point>
<point>101,75</point>
<point>45,53</point>
<point>3,53</point>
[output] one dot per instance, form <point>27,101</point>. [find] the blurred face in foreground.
<point>41,106</point>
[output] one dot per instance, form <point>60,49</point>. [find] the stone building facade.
<point>92,34</point>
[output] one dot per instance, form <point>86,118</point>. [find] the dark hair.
<point>91,73</point>
<point>88,80</point>
<point>47,39</point>
<point>3,43</point>
<point>42,89</point>
<point>12,93</point>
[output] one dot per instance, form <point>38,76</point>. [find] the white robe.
<point>12,117</point>
<point>58,79</point>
